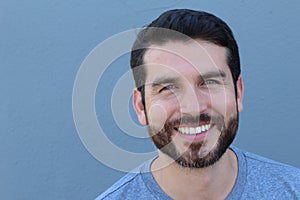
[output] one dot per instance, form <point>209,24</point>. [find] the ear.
<point>139,107</point>
<point>240,93</point>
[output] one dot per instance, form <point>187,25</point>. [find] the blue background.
<point>42,45</point>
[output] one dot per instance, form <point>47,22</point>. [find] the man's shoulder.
<point>266,178</point>
<point>119,187</point>
<point>260,163</point>
<point>131,186</point>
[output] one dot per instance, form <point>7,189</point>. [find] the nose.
<point>193,101</point>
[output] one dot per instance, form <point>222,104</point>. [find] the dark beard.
<point>190,158</point>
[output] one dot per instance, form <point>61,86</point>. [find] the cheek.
<point>157,115</point>
<point>224,103</point>
<point>159,112</point>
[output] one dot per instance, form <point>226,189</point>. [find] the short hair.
<point>191,23</point>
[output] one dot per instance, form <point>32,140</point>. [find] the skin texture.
<point>189,84</point>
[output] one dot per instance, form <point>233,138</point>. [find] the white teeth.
<point>203,128</point>
<point>207,127</point>
<point>194,130</point>
<point>186,130</point>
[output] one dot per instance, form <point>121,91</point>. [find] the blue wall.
<point>42,45</point>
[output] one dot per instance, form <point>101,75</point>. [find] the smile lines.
<point>194,130</point>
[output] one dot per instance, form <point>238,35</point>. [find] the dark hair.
<point>191,24</point>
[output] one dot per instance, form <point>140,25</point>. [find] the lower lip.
<point>198,137</point>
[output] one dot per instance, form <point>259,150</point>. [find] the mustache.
<point>188,119</point>
<point>196,120</point>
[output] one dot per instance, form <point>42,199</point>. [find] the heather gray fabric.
<point>258,178</point>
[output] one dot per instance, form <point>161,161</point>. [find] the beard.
<point>191,157</point>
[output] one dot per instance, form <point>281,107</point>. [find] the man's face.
<point>190,104</point>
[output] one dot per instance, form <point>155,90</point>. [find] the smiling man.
<point>189,93</point>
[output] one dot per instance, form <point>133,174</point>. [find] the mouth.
<point>194,133</point>
<point>193,130</point>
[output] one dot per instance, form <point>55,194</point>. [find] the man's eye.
<point>211,82</point>
<point>168,87</point>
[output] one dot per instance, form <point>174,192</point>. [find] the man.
<point>189,93</point>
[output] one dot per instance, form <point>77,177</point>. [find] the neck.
<point>213,182</point>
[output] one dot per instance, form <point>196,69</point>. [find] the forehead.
<point>194,56</point>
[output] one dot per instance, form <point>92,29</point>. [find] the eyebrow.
<point>163,80</point>
<point>213,74</point>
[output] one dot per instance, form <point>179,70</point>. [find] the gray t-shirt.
<point>258,178</point>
